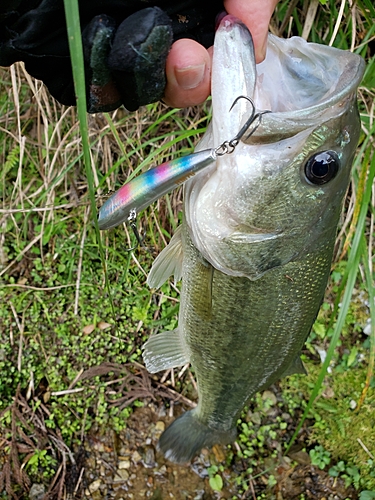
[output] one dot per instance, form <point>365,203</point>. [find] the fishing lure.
<point>140,192</point>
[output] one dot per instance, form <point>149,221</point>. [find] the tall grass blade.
<point>76,55</point>
<point>371,296</point>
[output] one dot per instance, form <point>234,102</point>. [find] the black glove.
<point>125,45</point>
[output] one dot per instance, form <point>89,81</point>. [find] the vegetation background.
<point>75,309</point>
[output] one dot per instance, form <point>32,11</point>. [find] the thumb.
<point>256,14</point>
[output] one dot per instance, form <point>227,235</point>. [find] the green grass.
<point>72,298</point>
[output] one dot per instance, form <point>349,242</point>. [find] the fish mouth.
<point>302,84</point>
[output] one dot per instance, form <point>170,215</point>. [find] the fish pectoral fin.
<point>168,262</point>
<point>165,350</point>
<point>295,367</point>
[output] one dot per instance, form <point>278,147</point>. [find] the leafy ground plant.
<point>75,309</point>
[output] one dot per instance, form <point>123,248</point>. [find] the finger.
<point>256,14</point>
<point>188,71</point>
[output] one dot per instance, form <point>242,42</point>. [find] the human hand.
<point>125,47</point>
<point>125,44</point>
<point>188,66</point>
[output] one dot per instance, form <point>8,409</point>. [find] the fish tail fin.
<point>187,435</point>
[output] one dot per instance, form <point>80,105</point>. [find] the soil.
<point>128,466</point>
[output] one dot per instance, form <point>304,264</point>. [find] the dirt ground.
<point>128,466</point>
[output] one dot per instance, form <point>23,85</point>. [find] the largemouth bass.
<point>255,248</point>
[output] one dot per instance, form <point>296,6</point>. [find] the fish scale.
<point>265,345</point>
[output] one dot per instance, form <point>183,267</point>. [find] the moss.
<point>346,433</point>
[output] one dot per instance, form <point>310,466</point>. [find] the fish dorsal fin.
<point>165,350</point>
<point>296,366</point>
<point>168,262</point>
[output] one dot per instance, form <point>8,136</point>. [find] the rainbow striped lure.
<point>140,192</point>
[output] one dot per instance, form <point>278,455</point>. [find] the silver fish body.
<point>256,245</point>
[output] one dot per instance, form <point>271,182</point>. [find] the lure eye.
<point>322,167</point>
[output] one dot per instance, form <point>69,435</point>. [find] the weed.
<point>320,457</point>
<point>215,479</point>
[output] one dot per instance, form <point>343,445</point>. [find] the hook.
<point>250,120</point>
<point>227,147</point>
<point>132,219</point>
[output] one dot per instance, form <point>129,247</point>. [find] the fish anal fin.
<point>164,350</point>
<point>295,367</point>
<point>168,262</point>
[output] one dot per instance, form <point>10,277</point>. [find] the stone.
<point>160,426</point>
<point>149,457</point>
<point>95,485</point>
<point>270,396</point>
<point>256,418</point>
<point>124,464</point>
<point>136,457</point>
<point>161,472</point>
<point>37,492</point>
<point>121,475</point>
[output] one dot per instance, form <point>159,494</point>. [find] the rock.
<point>272,412</point>
<point>256,418</point>
<point>121,475</point>
<point>162,412</point>
<point>95,485</point>
<point>149,457</point>
<point>352,404</point>
<point>269,395</point>
<point>37,492</point>
<point>160,426</point>
<point>161,472</point>
<point>124,452</point>
<point>136,457</point>
<point>124,464</point>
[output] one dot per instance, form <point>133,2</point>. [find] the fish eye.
<point>322,167</point>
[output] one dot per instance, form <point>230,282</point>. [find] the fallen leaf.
<point>102,325</point>
<point>88,329</point>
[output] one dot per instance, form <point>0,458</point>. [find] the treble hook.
<point>132,219</point>
<point>248,122</point>
<point>227,147</point>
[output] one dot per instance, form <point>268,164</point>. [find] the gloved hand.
<point>125,45</point>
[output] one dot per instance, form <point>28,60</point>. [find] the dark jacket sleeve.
<point>126,43</point>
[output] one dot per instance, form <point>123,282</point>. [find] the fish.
<point>256,243</point>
